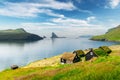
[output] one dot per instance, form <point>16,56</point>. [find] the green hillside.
<point>112,35</point>
<point>17,34</point>
<point>102,68</point>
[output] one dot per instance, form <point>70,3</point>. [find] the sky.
<point>64,17</point>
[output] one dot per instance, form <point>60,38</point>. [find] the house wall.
<point>89,56</point>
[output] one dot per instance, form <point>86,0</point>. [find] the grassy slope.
<point>17,34</point>
<point>103,68</point>
<point>112,35</point>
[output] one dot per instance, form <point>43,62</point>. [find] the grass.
<point>112,35</point>
<point>18,34</point>
<point>102,68</point>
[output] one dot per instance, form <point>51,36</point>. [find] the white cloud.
<point>85,11</point>
<point>114,3</point>
<point>33,9</point>
<point>65,27</point>
<point>68,31</point>
<point>64,23</point>
<point>74,22</point>
<point>91,18</point>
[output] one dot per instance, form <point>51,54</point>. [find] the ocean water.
<point>22,53</point>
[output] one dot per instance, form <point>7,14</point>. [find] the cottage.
<point>106,49</point>
<point>91,54</point>
<point>69,58</point>
<point>100,52</point>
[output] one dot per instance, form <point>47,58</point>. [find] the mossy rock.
<point>106,49</point>
<point>79,53</point>
<point>100,52</point>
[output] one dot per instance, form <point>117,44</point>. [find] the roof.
<point>91,51</point>
<point>68,56</point>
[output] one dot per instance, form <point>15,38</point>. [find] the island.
<point>111,35</point>
<point>18,35</point>
<point>55,36</point>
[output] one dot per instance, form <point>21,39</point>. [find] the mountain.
<point>18,34</point>
<point>111,35</point>
<point>85,36</point>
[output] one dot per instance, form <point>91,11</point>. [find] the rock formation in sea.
<point>54,35</point>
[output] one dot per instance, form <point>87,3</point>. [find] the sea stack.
<point>44,37</point>
<point>54,35</point>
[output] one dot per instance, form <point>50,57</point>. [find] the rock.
<point>13,67</point>
<point>44,36</point>
<point>103,39</point>
<point>54,35</point>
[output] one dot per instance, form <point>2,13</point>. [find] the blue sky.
<point>65,17</point>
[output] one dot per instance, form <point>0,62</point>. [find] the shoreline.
<point>104,41</point>
<point>55,60</point>
<point>49,68</point>
<point>50,61</point>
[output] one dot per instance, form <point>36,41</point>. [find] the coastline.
<point>104,40</point>
<point>50,68</point>
<point>51,61</point>
<point>55,60</point>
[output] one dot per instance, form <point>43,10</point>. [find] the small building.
<point>106,49</point>
<point>68,57</point>
<point>91,54</point>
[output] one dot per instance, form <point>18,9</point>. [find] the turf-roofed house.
<point>68,57</point>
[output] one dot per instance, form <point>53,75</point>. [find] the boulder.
<point>13,67</point>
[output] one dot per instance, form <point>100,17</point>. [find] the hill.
<point>18,34</point>
<point>102,68</point>
<point>112,35</point>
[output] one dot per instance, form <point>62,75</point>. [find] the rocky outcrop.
<point>54,35</point>
<point>44,37</point>
<point>13,67</point>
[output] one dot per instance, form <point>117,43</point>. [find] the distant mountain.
<point>111,35</point>
<point>85,36</point>
<point>18,34</point>
<point>55,36</point>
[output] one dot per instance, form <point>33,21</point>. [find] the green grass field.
<point>102,68</point>
<point>112,35</point>
<point>18,34</point>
